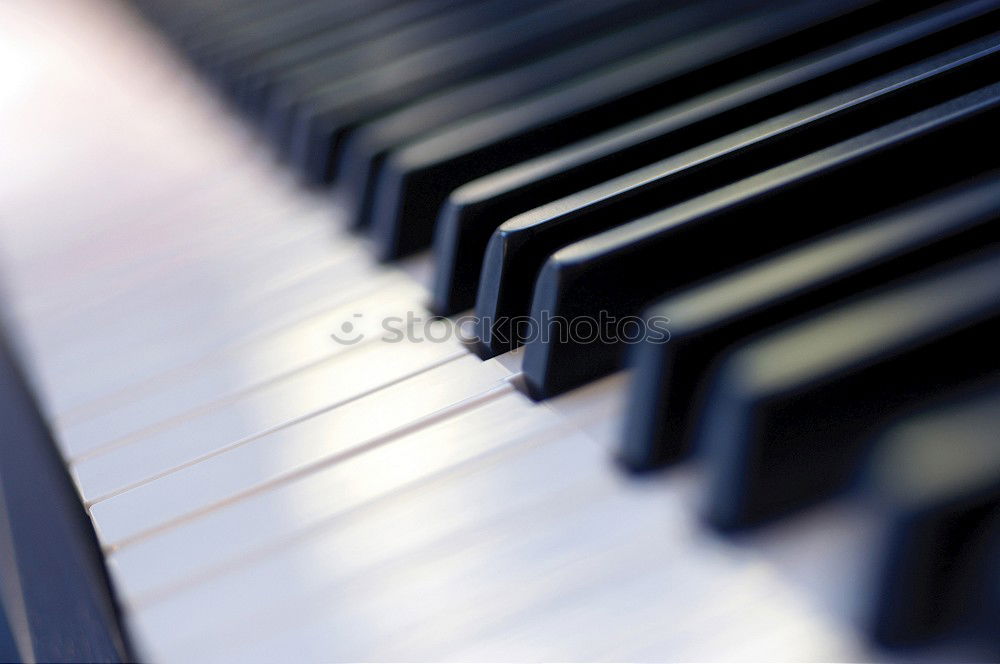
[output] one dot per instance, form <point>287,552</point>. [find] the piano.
<point>500,330</point>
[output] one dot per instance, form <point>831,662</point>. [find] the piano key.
<point>299,89</point>
<point>234,371</point>
<point>197,34</point>
<point>301,22</point>
<point>187,20</point>
<point>707,319</point>
<point>935,478</point>
<point>333,108</point>
<point>277,350</point>
<point>252,82</point>
<point>216,538</point>
<point>614,274</point>
<point>473,211</point>
<point>366,366</point>
<point>329,437</point>
<point>575,547</point>
<point>786,415</point>
<point>113,372</point>
<point>347,547</point>
<point>516,253</point>
<point>365,148</point>
<point>245,316</point>
<point>415,181</point>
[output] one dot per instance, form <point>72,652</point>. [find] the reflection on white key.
<point>366,366</point>
<point>235,370</point>
<point>288,452</point>
<point>501,486</point>
<point>109,362</point>
<point>572,560</point>
<point>267,518</point>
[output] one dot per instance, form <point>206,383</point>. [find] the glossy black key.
<point>293,91</point>
<point>520,246</point>
<point>620,271</point>
<point>188,21</point>
<point>473,211</point>
<point>516,38</point>
<point>260,37</point>
<point>935,478</point>
<point>787,415</point>
<point>708,319</point>
<point>415,181</point>
<point>252,83</point>
<point>202,37</point>
<point>365,148</point>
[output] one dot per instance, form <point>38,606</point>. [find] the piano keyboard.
<point>549,330</point>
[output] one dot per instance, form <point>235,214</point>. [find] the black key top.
<point>260,37</point>
<point>475,210</point>
<point>365,148</point>
<point>708,319</point>
<point>335,108</point>
<point>516,253</point>
<point>186,19</point>
<point>787,415</point>
<point>415,182</point>
<point>296,87</point>
<point>936,480</point>
<point>253,83</point>
<point>200,37</point>
<point>618,272</point>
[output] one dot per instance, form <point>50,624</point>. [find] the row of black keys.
<point>805,190</point>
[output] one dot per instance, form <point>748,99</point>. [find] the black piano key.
<point>203,36</point>
<point>327,113</point>
<point>414,182</point>
<point>787,415</point>
<point>191,20</point>
<point>298,84</point>
<point>365,148</point>
<point>618,272</point>
<point>260,37</point>
<point>252,83</point>
<point>935,482</point>
<point>706,320</point>
<point>517,251</point>
<point>475,210</point>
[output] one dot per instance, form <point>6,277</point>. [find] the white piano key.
<point>288,453</point>
<point>385,286</point>
<point>78,383</point>
<point>200,304</point>
<point>304,393</point>
<point>360,542</point>
<point>234,531</point>
<point>231,372</point>
<point>572,554</point>
<point>183,240</point>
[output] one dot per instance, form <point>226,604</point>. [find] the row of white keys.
<point>207,312</point>
<point>535,535</point>
<point>271,406</point>
<point>136,264</point>
<point>163,354</point>
<point>235,370</point>
<point>215,539</point>
<point>291,452</point>
<point>146,238</point>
